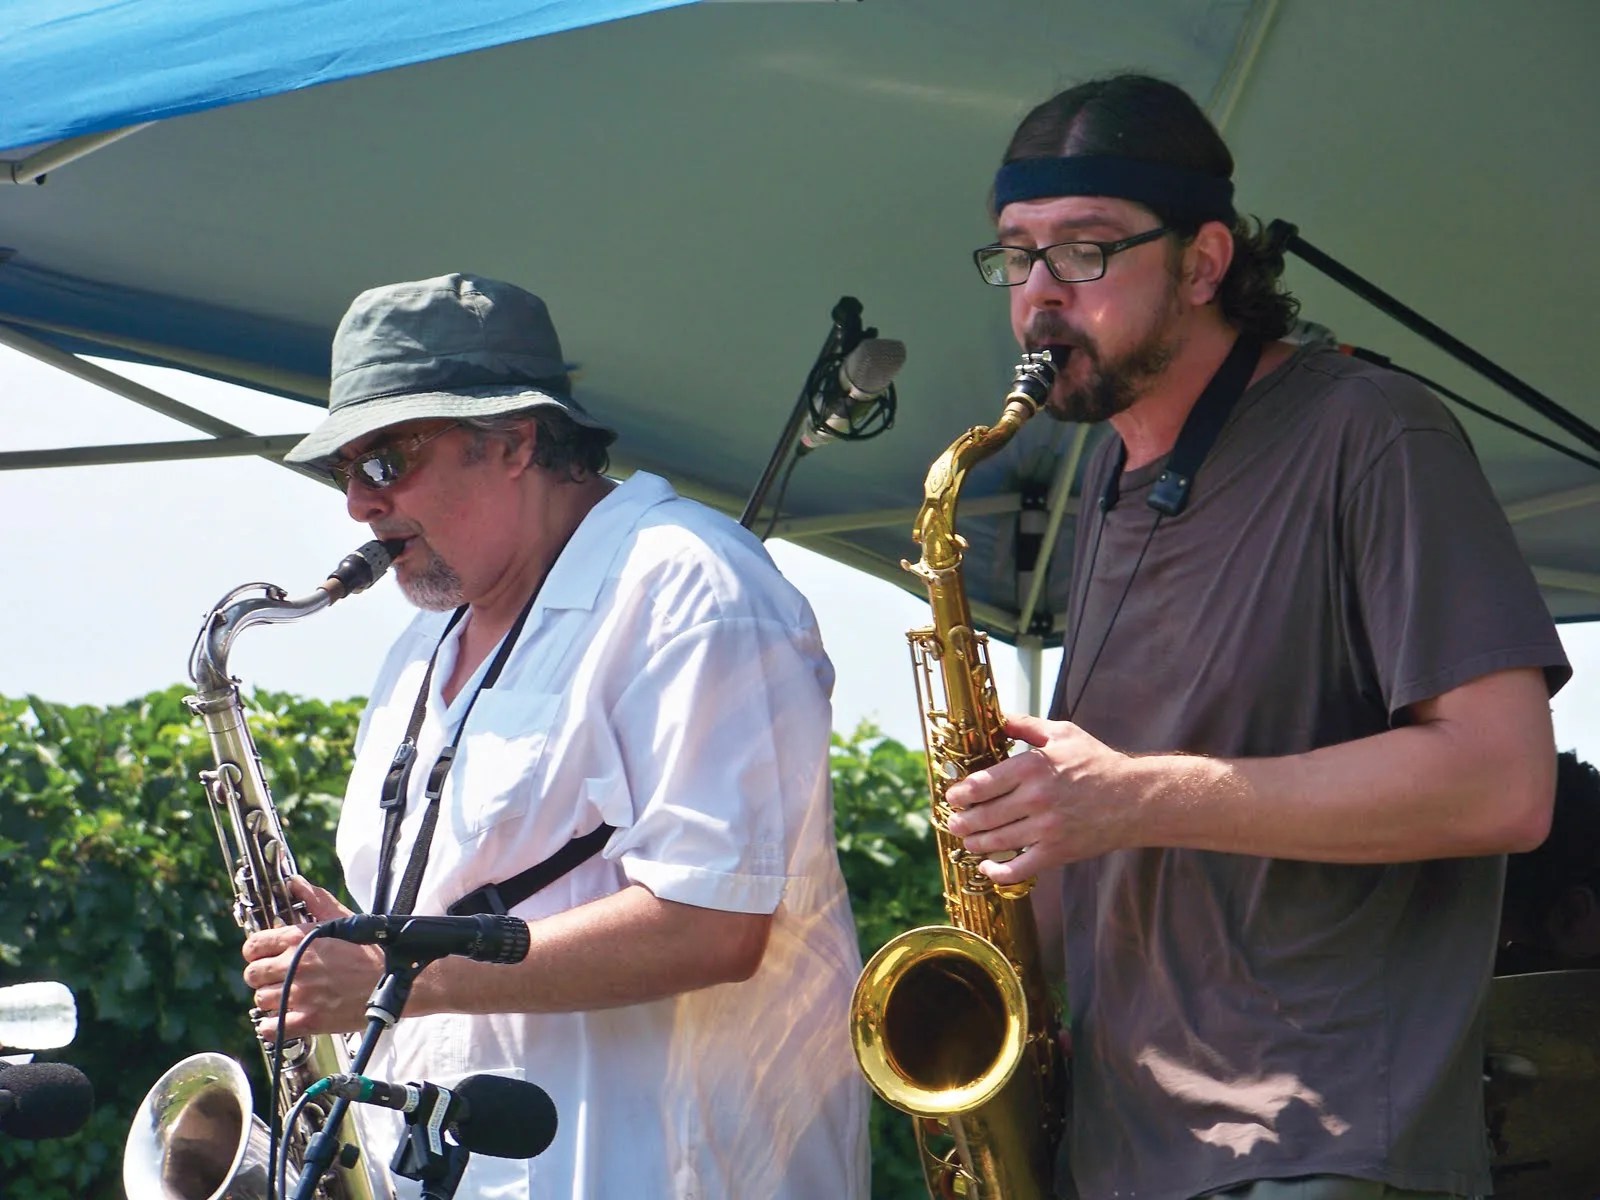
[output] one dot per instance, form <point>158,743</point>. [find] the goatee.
<point>433,587</point>
<point>1114,384</point>
<point>1113,388</point>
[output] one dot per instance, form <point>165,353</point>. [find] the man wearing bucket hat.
<point>618,716</point>
<point>1302,712</point>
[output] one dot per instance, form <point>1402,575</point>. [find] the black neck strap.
<point>396,783</point>
<point>1200,429</point>
<point>1168,497</point>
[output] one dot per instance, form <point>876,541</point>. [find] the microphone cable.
<point>278,1129</point>
<point>1372,356</point>
<point>811,391</point>
<point>278,1168</point>
<point>777,501</point>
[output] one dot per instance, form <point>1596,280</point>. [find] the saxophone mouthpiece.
<point>1035,376</point>
<point>362,568</point>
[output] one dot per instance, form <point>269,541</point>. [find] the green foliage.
<point>113,882</point>
<point>886,849</point>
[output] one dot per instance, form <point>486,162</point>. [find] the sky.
<point>112,569</point>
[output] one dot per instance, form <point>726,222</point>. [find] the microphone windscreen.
<point>44,1100</point>
<point>37,1016</point>
<point>509,941</point>
<point>505,1118</point>
<point>873,364</point>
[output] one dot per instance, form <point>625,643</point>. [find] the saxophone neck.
<point>934,531</point>
<point>247,605</point>
<point>266,603</point>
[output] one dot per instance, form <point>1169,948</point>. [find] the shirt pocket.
<point>503,759</point>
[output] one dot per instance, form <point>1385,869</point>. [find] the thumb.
<point>321,904</point>
<point>1033,730</point>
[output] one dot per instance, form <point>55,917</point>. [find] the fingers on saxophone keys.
<point>265,1025</point>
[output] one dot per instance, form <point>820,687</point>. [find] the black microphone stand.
<point>1282,236</point>
<point>383,1010</point>
<point>844,337</point>
<point>438,1171</point>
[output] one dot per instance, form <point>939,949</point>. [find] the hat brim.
<point>353,421</point>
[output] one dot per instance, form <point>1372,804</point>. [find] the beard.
<point>1116,382</point>
<point>432,587</point>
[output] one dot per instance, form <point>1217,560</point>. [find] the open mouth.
<point>1059,354</point>
<point>398,545</point>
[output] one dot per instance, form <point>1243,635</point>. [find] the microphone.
<point>37,1016</point>
<point>482,938</point>
<point>44,1100</point>
<point>849,396</point>
<point>486,1114</point>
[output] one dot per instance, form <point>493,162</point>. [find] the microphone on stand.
<point>37,1016</point>
<point>482,938</point>
<point>848,395</point>
<point>486,1114</point>
<point>409,944</point>
<point>44,1100</point>
<point>856,401</point>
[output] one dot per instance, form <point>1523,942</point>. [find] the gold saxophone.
<point>954,1023</point>
<point>195,1136</point>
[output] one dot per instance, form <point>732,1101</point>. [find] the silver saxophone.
<point>195,1136</point>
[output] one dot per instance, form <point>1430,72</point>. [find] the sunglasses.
<point>385,464</point>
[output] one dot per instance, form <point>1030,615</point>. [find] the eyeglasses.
<point>1070,262</point>
<point>384,465</point>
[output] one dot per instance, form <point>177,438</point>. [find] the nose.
<point>365,504</point>
<point>1041,289</point>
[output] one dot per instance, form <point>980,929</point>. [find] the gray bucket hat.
<point>454,346</point>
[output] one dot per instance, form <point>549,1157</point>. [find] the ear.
<point>519,454</point>
<point>1206,260</point>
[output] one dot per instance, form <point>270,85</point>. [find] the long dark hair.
<point>1136,116</point>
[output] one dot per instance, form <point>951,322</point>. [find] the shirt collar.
<point>583,567</point>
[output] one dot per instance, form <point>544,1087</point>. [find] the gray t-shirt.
<point>1234,1017</point>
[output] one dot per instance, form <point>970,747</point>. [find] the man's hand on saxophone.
<point>332,983</point>
<point>1065,798</point>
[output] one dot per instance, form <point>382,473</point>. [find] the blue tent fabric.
<point>120,314</point>
<point>82,66</point>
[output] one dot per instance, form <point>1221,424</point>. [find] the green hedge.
<point>112,881</point>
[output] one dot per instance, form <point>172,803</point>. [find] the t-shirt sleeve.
<point>724,739</point>
<point>1444,593</point>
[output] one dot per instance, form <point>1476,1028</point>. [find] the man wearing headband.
<point>1302,711</point>
<point>610,720</point>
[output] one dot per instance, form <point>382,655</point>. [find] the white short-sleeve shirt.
<point>671,683</point>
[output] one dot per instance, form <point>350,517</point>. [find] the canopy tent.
<point>693,188</point>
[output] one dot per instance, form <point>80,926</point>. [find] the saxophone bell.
<point>195,1138</point>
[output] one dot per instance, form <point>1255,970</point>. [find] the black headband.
<point>1169,191</point>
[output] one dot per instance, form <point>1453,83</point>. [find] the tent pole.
<point>268,445</point>
<point>1030,665</point>
<point>1573,581</point>
<point>72,365</point>
<point>1056,508</point>
<point>35,167</point>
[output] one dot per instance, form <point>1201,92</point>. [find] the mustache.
<point>1047,329</point>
